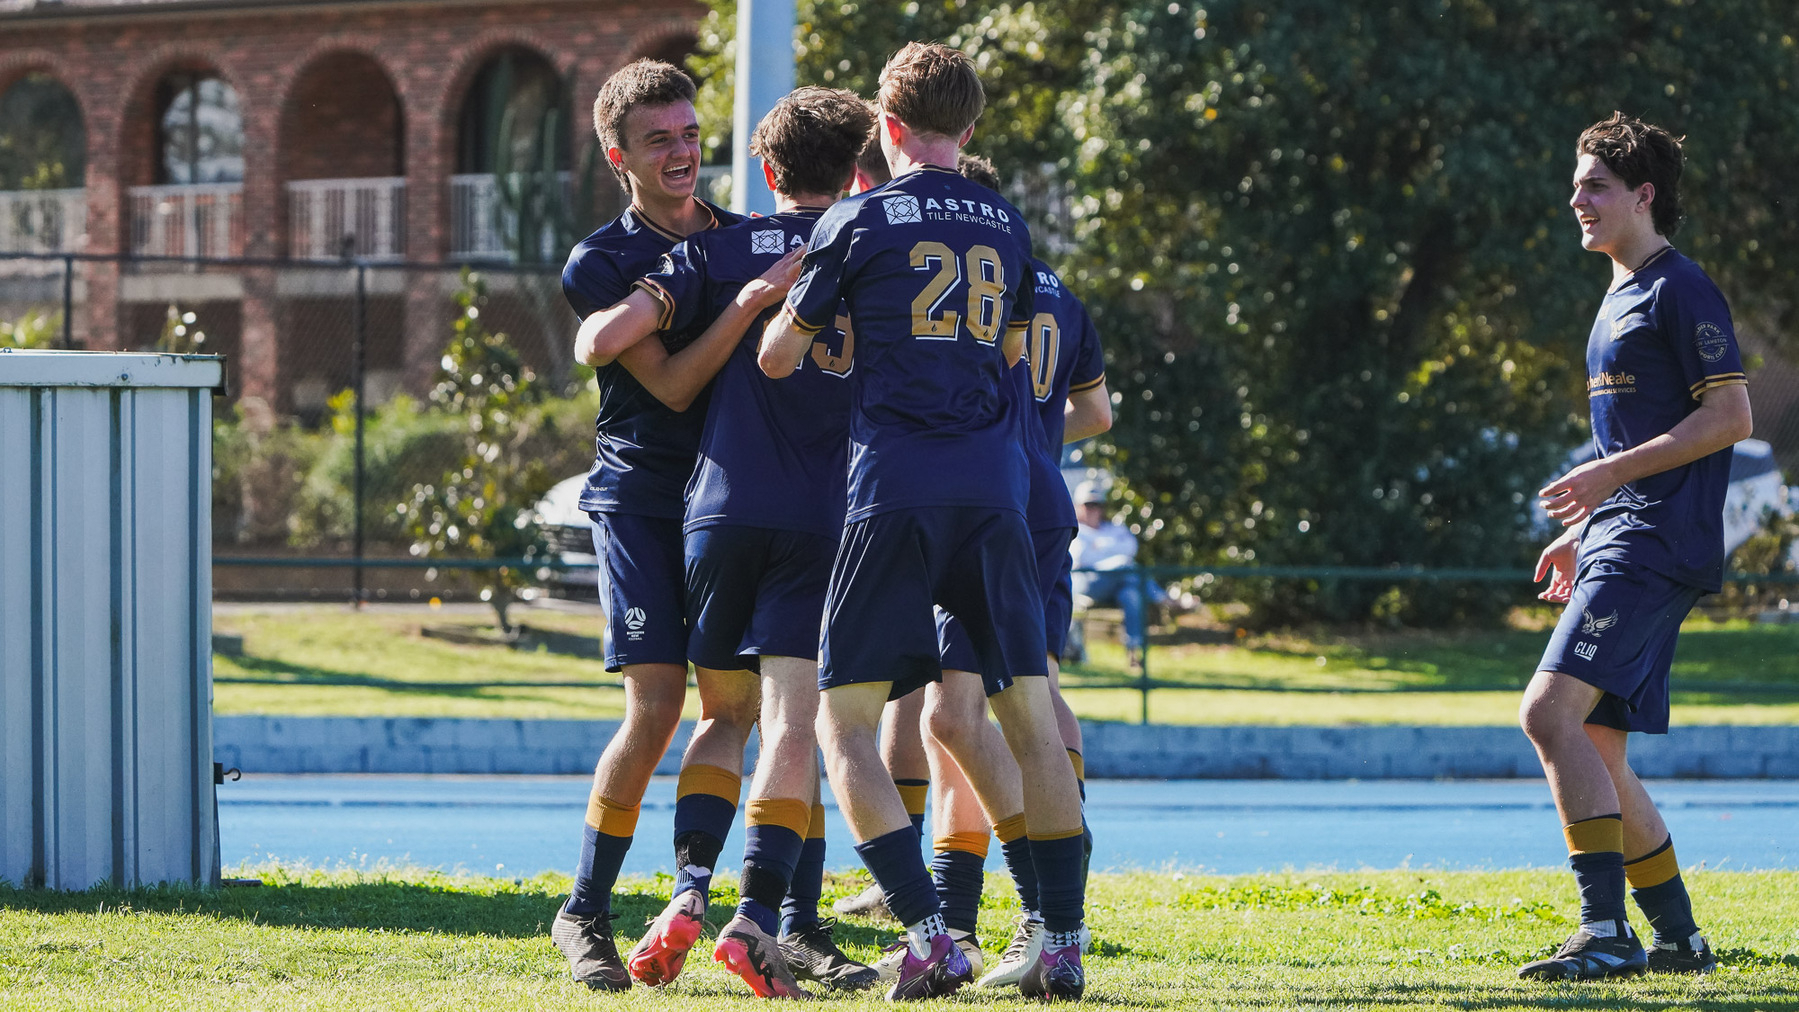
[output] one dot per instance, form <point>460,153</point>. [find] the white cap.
<point>1089,491</point>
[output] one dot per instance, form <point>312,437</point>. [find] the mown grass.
<point>326,659</point>
<point>408,939</point>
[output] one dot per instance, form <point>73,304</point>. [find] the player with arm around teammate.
<point>1645,540</point>
<point>764,514</point>
<point>936,272</point>
<point>645,450</point>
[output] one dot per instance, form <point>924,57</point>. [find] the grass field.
<point>419,940</point>
<point>325,659</point>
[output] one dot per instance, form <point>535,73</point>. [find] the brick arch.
<point>137,126</point>
<point>291,163</point>
<point>15,67</point>
<point>656,39</point>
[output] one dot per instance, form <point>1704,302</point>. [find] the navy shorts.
<point>1055,569</point>
<point>647,606</point>
<point>975,562</point>
<point>752,591</point>
<point>1617,634</point>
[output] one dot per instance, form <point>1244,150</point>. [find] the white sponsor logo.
<point>769,240</point>
<point>1591,626</point>
<point>901,210</point>
<point>1586,651</point>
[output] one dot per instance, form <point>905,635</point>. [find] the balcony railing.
<point>195,220</point>
<point>43,221</point>
<point>479,229</point>
<point>330,219</point>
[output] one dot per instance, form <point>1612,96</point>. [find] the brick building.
<point>294,133</point>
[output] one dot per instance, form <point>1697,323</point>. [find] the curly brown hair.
<point>811,139</point>
<point>1640,153</point>
<point>932,89</point>
<point>640,83</point>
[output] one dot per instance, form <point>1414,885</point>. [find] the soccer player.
<point>1645,540</point>
<point>644,116</point>
<point>902,748</point>
<point>1060,385</point>
<point>764,515</point>
<point>936,272</point>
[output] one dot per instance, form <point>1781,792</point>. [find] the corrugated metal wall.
<point>106,619</point>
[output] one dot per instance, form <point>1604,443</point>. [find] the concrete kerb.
<point>270,744</point>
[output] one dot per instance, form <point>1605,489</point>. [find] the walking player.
<point>1645,540</point>
<point>644,116</point>
<point>936,272</point>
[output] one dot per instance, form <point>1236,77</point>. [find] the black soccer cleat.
<point>592,956</point>
<point>1691,956</point>
<point>1585,956</point>
<point>812,954</point>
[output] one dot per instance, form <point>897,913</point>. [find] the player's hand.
<point>1575,495</point>
<point>1557,562</point>
<point>772,286</point>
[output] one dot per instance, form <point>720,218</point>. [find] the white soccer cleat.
<point>1020,955</point>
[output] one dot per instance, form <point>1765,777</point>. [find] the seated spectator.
<point>1110,550</point>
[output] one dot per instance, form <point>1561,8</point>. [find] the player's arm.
<point>1721,420</point>
<point>785,342</point>
<point>1087,413</point>
<point>608,333</point>
<point>677,379</point>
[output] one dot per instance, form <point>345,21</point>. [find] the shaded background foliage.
<point>1328,246</point>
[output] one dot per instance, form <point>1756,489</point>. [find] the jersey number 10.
<point>985,276</point>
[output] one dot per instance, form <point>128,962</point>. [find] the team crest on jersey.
<point>769,240</point>
<point>1590,625</point>
<point>1710,341</point>
<point>902,210</point>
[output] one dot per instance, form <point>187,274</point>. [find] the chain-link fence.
<point>329,425</point>
<point>330,428</point>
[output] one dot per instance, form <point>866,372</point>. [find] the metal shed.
<point>106,618</point>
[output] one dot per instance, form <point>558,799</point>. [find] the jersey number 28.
<point>980,268</point>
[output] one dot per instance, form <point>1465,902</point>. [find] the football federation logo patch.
<point>1593,626</point>
<point>1710,341</point>
<point>769,240</point>
<point>634,623</point>
<point>901,210</point>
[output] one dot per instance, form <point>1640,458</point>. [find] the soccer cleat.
<point>658,956</point>
<point>971,950</point>
<point>1585,956</point>
<point>1020,955</point>
<point>870,903</point>
<point>938,974</point>
<point>592,955</point>
<point>749,952</point>
<point>1055,976</point>
<point>1691,956</point>
<point>812,954</point>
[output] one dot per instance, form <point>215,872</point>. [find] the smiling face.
<point>660,152</point>
<point>1612,216</point>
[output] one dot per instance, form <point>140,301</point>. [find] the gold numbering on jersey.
<point>836,365</point>
<point>1046,344</point>
<point>986,277</point>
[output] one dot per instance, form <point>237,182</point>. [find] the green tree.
<point>1329,251</point>
<point>482,506</point>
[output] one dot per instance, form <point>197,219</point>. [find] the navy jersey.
<point>774,453</point>
<point>643,449</point>
<point>1062,355</point>
<point>1663,338</point>
<point>933,269</point>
